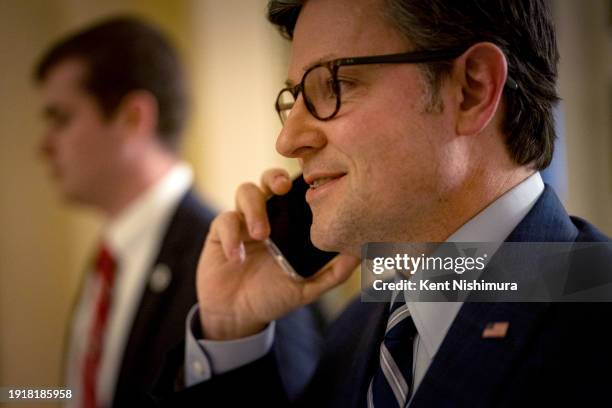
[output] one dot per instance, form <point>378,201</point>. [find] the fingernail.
<point>239,253</point>
<point>236,254</point>
<point>280,179</point>
<point>242,253</point>
<point>257,230</point>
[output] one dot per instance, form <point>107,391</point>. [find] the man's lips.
<point>321,183</point>
<point>315,180</point>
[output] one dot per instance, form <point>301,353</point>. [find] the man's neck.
<point>478,195</point>
<point>461,205</point>
<point>136,181</point>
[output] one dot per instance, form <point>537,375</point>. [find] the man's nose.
<point>301,133</point>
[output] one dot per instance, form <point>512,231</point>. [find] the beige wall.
<point>237,65</point>
<point>239,70</point>
<point>585,86</point>
<point>39,255</point>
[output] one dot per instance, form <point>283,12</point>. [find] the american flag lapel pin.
<point>495,330</point>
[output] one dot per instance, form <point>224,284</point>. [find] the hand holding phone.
<point>241,288</point>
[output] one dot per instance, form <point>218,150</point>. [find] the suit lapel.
<point>162,280</point>
<point>366,351</point>
<point>143,331</point>
<point>470,369</point>
<point>152,302</point>
<point>350,352</point>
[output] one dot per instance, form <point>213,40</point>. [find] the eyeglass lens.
<point>319,92</point>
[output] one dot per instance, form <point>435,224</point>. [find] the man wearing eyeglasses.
<point>413,121</point>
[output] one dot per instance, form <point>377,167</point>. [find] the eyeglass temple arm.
<point>413,57</point>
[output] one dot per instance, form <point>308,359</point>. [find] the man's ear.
<point>481,74</point>
<point>137,114</point>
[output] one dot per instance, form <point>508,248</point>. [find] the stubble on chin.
<point>341,232</point>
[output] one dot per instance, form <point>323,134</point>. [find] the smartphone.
<point>289,242</point>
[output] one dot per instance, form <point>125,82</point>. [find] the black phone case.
<point>290,220</point>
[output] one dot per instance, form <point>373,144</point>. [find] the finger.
<point>251,203</point>
<point>275,182</point>
<point>335,273</point>
<point>226,230</point>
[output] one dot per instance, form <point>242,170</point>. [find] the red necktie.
<point>105,272</point>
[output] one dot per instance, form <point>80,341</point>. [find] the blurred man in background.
<point>115,103</point>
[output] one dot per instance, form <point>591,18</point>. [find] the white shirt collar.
<point>493,224</point>
<point>120,233</point>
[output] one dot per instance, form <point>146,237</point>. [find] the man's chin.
<point>330,243</point>
<point>322,240</point>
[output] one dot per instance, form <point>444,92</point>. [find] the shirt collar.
<point>131,223</point>
<point>493,224</point>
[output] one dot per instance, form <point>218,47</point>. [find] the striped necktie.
<point>391,383</point>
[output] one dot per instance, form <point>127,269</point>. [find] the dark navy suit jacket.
<point>159,323</point>
<point>554,354</point>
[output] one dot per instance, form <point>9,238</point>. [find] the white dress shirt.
<point>432,319</point>
<point>133,238</point>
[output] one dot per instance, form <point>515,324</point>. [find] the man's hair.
<point>523,30</point>
<point>121,55</point>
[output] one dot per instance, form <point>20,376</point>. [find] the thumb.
<point>332,275</point>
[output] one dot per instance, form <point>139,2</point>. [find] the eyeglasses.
<point>321,88</point>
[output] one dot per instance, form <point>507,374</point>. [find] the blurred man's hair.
<point>523,29</point>
<point>125,54</point>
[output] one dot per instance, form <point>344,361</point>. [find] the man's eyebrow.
<point>324,58</point>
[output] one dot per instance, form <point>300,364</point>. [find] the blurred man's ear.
<point>480,74</point>
<point>137,114</point>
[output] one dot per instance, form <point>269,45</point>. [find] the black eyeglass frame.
<point>413,57</point>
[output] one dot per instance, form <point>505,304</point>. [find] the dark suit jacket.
<point>159,323</point>
<point>554,354</point>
